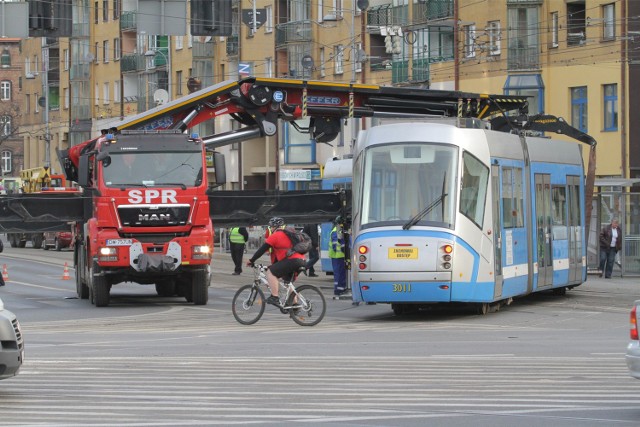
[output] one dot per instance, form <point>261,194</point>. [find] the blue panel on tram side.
<point>560,262</point>
<point>472,292</point>
<point>514,286</point>
<point>407,292</point>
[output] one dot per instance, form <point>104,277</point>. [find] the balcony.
<point>133,63</point>
<point>523,58</point>
<point>432,10</point>
<point>387,15</point>
<point>128,21</point>
<point>202,50</point>
<point>293,32</point>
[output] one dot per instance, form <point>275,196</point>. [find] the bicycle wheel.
<point>248,304</point>
<point>310,307</point>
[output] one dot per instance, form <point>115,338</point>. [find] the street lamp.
<point>151,53</point>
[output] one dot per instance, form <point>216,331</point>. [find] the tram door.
<point>497,229</point>
<point>575,229</point>
<point>543,230</point>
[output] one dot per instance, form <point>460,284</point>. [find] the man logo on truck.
<point>154,217</point>
<point>151,196</point>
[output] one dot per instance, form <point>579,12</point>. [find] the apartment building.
<point>11,100</point>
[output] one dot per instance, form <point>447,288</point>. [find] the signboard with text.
<point>295,175</point>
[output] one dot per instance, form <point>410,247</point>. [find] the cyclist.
<point>284,264</point>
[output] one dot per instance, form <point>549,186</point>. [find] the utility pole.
<point>45,92</point>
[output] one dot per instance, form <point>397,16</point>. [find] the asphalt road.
<point>146,360</point>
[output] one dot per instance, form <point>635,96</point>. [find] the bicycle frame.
<point>285,289</point>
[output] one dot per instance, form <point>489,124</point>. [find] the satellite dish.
<point>160,96</point>
<point>307,62</point>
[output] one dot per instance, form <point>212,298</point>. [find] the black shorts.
<point>284,269</point>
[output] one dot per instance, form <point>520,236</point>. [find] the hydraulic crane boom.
<point>258,104</point>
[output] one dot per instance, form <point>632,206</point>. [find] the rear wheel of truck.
<point>166,288</point>
<point>200,287</point>
<point>100,289</point>
<point>36,241</point>
<point>12,240</point>
<point>57,245</point>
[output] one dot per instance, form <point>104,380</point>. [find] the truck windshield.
<point>153,169</point>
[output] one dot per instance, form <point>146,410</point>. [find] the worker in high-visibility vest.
<point>238,237</point>
<point>337,255</point>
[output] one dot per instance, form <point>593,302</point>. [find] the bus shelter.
<point>616,198</point>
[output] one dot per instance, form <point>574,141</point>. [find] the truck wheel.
<point>36,242</point>
<point>13,241</point>
<point>100,288</point>
<point>57,245</point>
<point>200,287</point>
<point>166,288</point>
<point>22,243</point>
<point>45,246</point>
<point>81,287</point>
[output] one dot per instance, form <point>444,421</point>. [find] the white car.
<point>633,349</point>
<point>11,344</point>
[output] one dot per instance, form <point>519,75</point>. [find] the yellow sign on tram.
<point>403,253</point>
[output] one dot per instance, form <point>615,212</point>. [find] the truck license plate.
<point>403,253</point>
<point>119,242</point>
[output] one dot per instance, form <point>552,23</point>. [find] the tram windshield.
<point>401,182</point>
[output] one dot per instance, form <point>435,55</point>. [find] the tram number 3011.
<point>402,287</point>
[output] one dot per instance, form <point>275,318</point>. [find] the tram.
<point>452,212</point>
<point>336,174</point>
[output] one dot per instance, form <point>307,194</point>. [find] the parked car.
<point>633,349</point>
<point>57,240</point>
<point>12,344</point>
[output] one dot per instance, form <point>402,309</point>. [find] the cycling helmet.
<point>276,222</point>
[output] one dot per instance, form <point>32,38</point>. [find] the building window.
<point>268,67</point>
<point>610,107</point>
<point>6,162</point>
<point>179,42</point>
<point>494,37</point>
<point>116,91</point>
<point>5,58</point>
<point>268,27</point>
<point>579,108</point>
<point>105,10</point>
<point>65,54</point>
<point>338,59</point>
<point>105,50</point>
<point>27,103</point>
<point>116,49</point>
<point>66,98</point>
<point>5,90</point>
<point>554,29</point>
<point>609,22</point>
<point>530,85</point>
<point>96,94</point>
<point>523,38</point>
<point>576,24</point>
<point>36,96</point>
<point>96,10</point>
<point>298,147</point>
<point>179,82</point>
<point>321,65</point>
<point>469,41</point>
<point>356,57</point>
<point>116,9</point>
<point>5,125</point>
<point>96,51</point>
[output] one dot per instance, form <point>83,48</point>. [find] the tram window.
<point>512,197</point>
<point>473,189</point>
<point>559,212</point>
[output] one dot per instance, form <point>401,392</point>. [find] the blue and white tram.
<point>446,213</point>
<point>336,174</point>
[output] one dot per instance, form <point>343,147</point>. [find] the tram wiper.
<point>424,212</point>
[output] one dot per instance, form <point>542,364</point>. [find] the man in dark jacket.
<point>314,255</point>
<point>610,244</point>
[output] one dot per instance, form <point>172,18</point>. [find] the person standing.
<point>238,237</point>
<point>314,254</point>
<point>336,253</point>
<point>610,244</point>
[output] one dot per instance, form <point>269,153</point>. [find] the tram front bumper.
<point>406,287</point>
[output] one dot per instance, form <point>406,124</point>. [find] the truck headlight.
<point>107,253</point>
<point>201,252</point>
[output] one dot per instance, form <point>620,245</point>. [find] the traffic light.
<point>388,44</point>
<point>211,17</point>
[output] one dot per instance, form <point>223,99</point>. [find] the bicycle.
<point>305,304</point>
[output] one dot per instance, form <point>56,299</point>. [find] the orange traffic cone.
<point>5,273</point>
<point>65,273</point>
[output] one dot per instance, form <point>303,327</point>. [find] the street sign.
<point>295,174</point>
<point>247,17</point>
